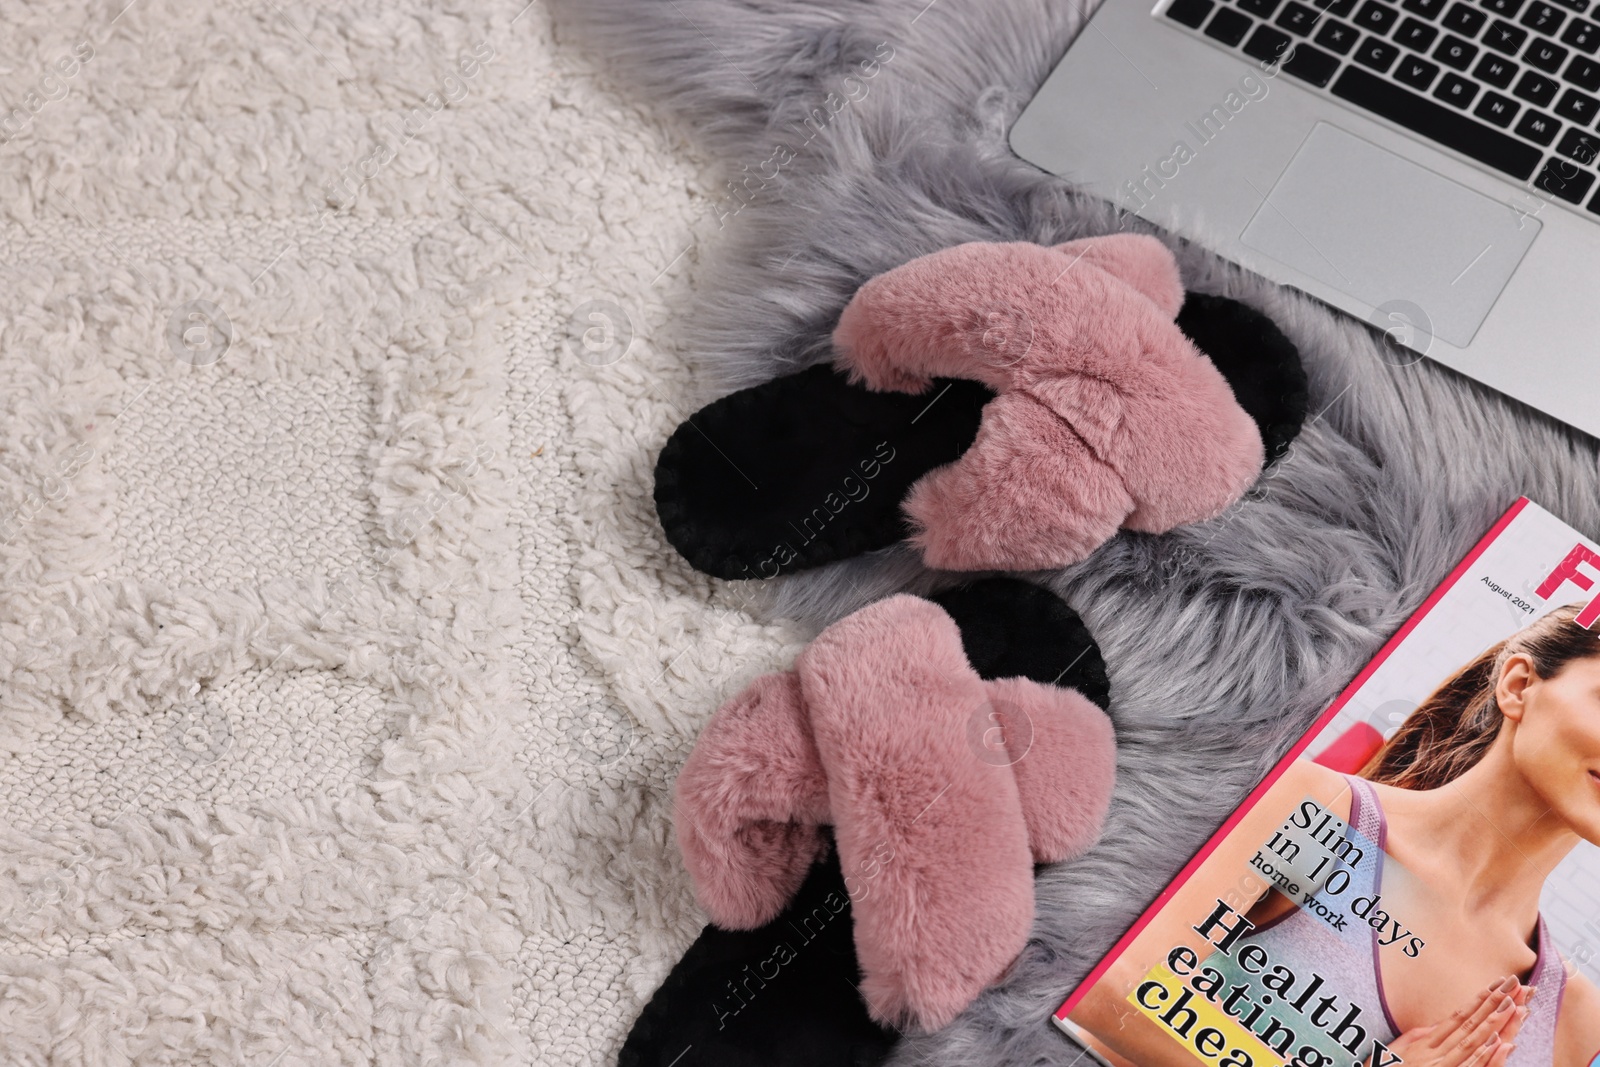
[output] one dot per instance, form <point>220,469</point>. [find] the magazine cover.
<point>1417,880</point>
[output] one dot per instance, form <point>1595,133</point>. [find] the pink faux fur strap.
<point>748,803</point>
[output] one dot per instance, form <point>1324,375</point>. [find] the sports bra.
<point>1348,960</point>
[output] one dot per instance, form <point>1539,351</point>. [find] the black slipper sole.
<point>781,996</point>
<point>786,995</point>
<point>1015,629</point>
<point>808,469</point>
<point>805,469</point>
<point>1262,366</point>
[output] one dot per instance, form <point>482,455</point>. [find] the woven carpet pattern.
<point>343,670</point>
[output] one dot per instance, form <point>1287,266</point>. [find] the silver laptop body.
<point>1306,165</point>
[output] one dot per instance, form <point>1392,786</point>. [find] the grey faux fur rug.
<point>1223,640</point>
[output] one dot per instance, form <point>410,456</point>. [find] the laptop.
<point>1428,166</point>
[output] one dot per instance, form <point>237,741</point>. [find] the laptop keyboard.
<point>1511,84</point>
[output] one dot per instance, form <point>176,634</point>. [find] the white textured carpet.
<point>343,670</point>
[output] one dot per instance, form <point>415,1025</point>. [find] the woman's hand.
<point>1480,1033</point>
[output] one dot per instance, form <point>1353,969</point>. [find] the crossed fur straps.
<point>1107,415</point>
<point>943,790</point>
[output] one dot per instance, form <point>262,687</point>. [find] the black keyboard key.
<point>1337,36</point>
<point>1580,6</point>
<point>1455,90</point>
<point>1584,73</point>
<point>1582,35</point>
<point>1546,55</point>
<point>1312,64</point>
<point>1542,18</point>
<point>1376,17</point>
<point>1496,71</point>
<point>1536,88</point>
<point>1454,52</point>
<point>1504,37</point>
<point>1578,107</point>
<point>1561,178</point>
<point>1416,72</point>
<point>1466,21</point>
<point>1259,8</point>
<point>1437,122</point>
<point>1507,8</point>
<point>1298,18</point>
<point>1190,12</point>
<point>1497,109</point>
<point>1267,44</point>
<point>1415,34</point>
<point>1428,9</point>
<point>1228,26</point>
<point>1538,127</point>
<point>1337,8</point>
<point>1575,144</point>
<point>1379,55</point>
<point>1594,205</point>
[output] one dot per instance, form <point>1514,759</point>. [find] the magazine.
<point>1417,880</point>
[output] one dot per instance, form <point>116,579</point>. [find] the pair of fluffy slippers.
<point>1007,406</point>
<point>950,743</point>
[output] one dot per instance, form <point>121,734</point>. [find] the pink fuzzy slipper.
<point>943,790</point>
<point>1004,405</point>
<point>1107,414</point>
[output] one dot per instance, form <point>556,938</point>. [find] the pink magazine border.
<point>1282,765</point>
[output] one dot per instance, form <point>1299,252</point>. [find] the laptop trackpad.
<point>1381,228</point>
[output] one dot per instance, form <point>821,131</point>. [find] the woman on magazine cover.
<point>1482,791</point>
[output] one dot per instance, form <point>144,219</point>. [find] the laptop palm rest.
<point>1391,233</point>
